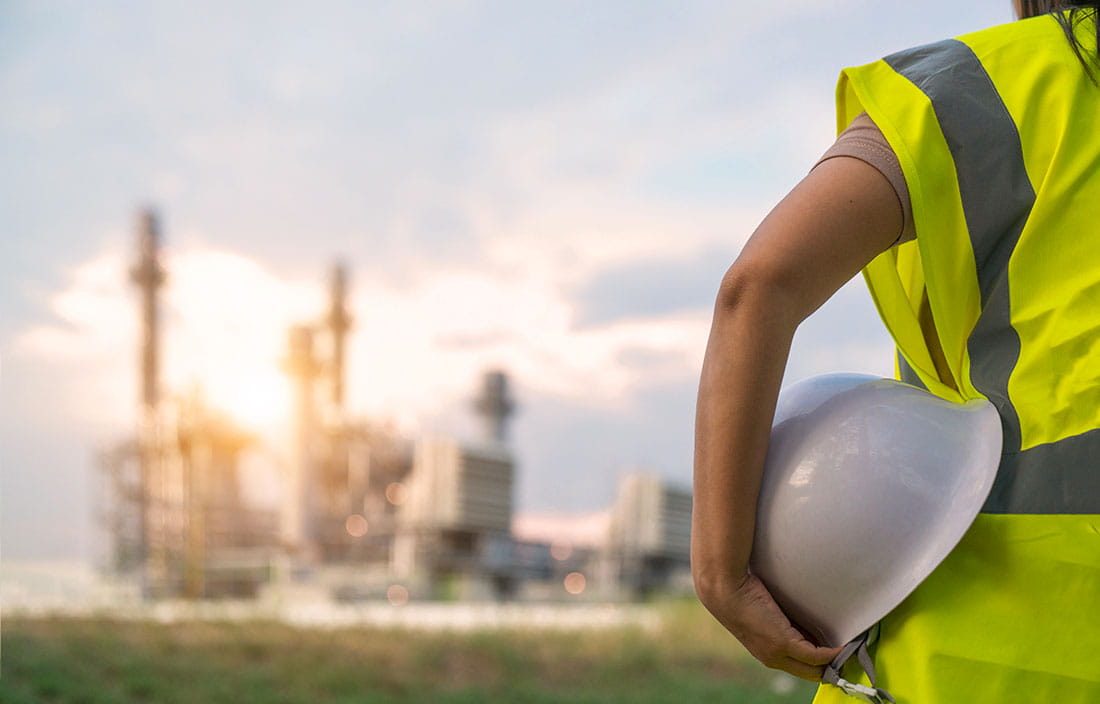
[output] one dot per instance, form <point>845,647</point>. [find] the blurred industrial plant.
<point>366,513</point>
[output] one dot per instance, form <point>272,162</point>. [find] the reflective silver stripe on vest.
<point>1058,477</point>
<point>997,197</point>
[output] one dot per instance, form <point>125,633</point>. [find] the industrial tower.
<point>148,275</point>
<point>339,321</point>
<point>495,406</point>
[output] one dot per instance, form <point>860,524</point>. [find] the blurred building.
<point>454,526</point>
<point>638,546</point>
<point>649,541</point>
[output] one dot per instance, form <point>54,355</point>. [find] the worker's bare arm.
<point>829,227</point>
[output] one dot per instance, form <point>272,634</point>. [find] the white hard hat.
<point>869,483</point>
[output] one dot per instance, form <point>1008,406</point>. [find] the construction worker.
<point>966,186</point>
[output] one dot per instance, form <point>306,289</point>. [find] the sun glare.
<point>230,318</point>
<point>256,398</point>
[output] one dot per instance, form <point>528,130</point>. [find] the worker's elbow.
<point>713,587</point>
<point>758,285</point>
<point>708,588</point>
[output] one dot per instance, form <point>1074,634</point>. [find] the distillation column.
<point>339,322</point>
<point>148,275</point>
<point>303,366</point>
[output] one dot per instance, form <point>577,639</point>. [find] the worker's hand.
<point>749,612</point>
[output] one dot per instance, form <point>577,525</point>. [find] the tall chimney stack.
<point>148,275</point>
<point>339,321</point>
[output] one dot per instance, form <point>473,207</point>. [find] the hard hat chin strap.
<point>857,647</point>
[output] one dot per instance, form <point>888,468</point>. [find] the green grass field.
<point>688,659</point>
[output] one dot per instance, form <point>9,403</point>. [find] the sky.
<point>550,188</point>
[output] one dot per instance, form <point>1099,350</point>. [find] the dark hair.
<point>1078,12</point>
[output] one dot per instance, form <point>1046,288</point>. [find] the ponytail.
<point>1078,12</point>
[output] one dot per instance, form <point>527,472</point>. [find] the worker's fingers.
<point>811,654</point>
<point>801,669</point>
<point>752,615</point>
<point>802,658</point>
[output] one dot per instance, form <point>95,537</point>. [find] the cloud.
<point>424,347</point>
<point>224,323</point>
<point>80,353</point>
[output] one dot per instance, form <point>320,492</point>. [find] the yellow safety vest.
<point>998,135</point>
